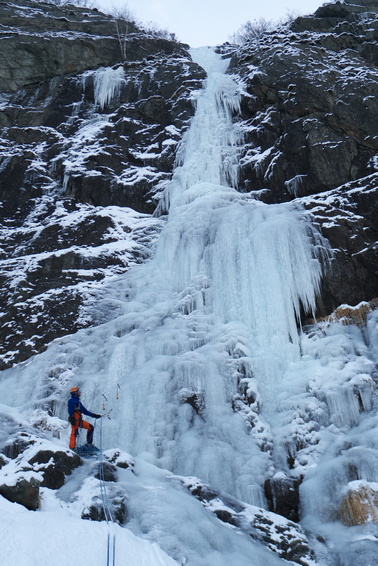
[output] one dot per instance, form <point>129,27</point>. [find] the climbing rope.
<point>109,517</point>
<point>104,495</point>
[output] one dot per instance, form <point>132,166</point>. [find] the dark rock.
<point>336,10</point>
<point>118,510</point>
<point>205,493</point>
<point>369,51</point>
<point>362,5</point>
<point>3,461</point>
<point>314,24</point>
<point>55,466</point>
<point>283,497</point>
<point>25,492</point>
<point>105,471</point>
<point>348,218</point>
<point>41,44</point>
<point>309,130</point>
<point>16,446</point>
<point>280,535</point>
<point>226,517</point>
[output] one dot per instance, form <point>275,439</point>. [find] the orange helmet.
<point>75,390</point>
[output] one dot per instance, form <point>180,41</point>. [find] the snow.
<point>189,533</point>
<point>54,537</point>
<point>206,369</point>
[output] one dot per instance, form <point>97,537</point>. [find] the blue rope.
<point>106,506</point>
<point>104,495</point>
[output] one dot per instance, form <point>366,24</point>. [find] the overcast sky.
<point>209,22</point>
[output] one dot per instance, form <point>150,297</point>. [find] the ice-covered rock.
<point>280,535</point>
<point>24,490</point>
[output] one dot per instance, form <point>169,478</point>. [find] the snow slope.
<point>55,537</point>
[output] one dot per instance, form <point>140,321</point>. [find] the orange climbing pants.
<point>75,425</point>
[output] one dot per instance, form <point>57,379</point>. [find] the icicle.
<point>107,85</point>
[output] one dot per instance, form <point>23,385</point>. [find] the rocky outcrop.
<point>54,465</point>
<point>120,459</point>
<point>347,217</point>
<point>352,315</point>
<point>45,41</point>
<point>282,494</point>
<point>3,461</point>
<point>18,444</point>
<point>118,509</point>
<point>24,491</point>
<point>105,471</point>
<point>90,121</point>
<point>308,110</point>
<point>283,537</point>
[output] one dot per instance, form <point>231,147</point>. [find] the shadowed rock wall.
<point>309,113</point>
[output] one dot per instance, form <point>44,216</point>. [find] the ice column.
<point>227,281</point>
<point>107,84</point>
<point>228,270</point>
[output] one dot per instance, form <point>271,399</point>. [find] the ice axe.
<point>107,414</point>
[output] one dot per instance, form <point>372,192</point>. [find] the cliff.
<point>90,117</point>
<point>173,283</point>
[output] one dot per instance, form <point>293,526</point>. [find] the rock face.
<point>309,113</point>
<point>60,43</point>
<point>119,459</point>
<point>105,471</point>
<point>283,497</point>
<point>55,466</point>
<point>17,445</point>
<point>32,462</point>
<point>90,120</point>
<point>95,511</point>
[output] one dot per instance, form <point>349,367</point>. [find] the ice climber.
<point>75,412</point>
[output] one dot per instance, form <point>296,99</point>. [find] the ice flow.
<point>218,303</point>
<point>227,282</point>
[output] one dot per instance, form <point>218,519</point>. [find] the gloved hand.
<point>96,416</point>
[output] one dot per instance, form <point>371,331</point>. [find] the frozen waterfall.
<point>215,311</point>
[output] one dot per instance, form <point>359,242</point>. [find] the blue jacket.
<point>75,405</point>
